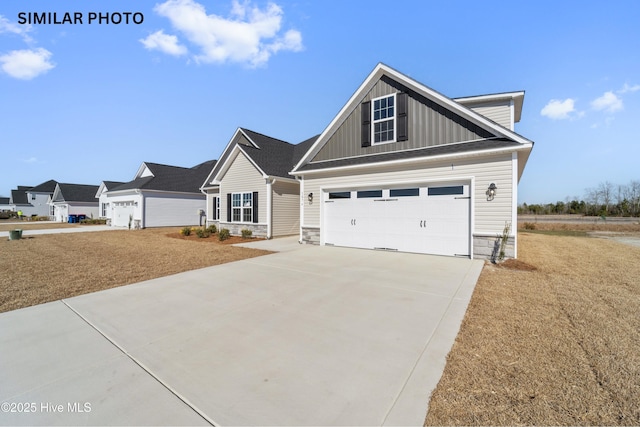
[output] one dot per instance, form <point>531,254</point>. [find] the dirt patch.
<point>50,267</point>
<point>513,264</point>
<point>558,345</point>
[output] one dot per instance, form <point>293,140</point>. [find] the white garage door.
<point>121,212</point>
<point>431,219</point>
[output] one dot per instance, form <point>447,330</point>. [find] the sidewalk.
<point>79,229</point>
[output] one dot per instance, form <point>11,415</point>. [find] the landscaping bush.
<point>224,234</point>
<point>186,231</point>
<point>529,226</point>
<point>93,221</point>
<point>202,233</point>
<point>212,229</point>
<point>246,233</point>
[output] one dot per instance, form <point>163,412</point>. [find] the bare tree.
<point>606,190</point>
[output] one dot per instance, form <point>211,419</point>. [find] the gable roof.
<point>74,193</point>
<point>45,187</point>
<point>271,156</point>
<point>161,177</point>
<point>382,70</point>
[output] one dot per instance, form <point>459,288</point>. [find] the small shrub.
<point>202,233</point>
<point>212,229</point>
<point>529,226</point>
<point>246,233</point>
<point>186,231</point>
<point>224,234</point>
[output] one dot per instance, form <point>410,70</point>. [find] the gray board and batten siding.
<point>430,124</point>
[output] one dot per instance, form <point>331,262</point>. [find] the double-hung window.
<point>242,207</point>
<point>384,119</point>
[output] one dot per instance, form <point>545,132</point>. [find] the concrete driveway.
<point>313,336</point>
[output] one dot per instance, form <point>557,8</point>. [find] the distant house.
<point>158,196</point>
<point>19,202</point>
<point>39,196</point>
<point>32,200</point>
<point>74,199</point>
<point>105,211</point>
<point>250,187</point>
<point>5,204</point>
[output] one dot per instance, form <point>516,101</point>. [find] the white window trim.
<point>217,207</point>
<point>242,208</point>
<point>373,121</point>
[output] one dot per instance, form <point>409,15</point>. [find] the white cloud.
<point>249,35</point>
<point>26,64</point>
<point>165,43</point>
<point>558,110</point>
<point>627,88</point>
<point>608,102</point>
<point>7,26</point>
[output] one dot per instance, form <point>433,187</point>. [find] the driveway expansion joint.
<point>184,400</point>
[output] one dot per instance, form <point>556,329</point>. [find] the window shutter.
<point>255,207</point>
<point>402,125</point>
<point>215,211</point>
<point>228,207</point>
<point>365,133</point>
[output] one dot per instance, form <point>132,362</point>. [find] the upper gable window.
<point>384,119</point>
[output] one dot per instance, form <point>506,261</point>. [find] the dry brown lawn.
<point>35,225</point>
<point>43,268</point>
<point>552,339</point>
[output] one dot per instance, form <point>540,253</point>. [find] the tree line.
<point>607,199</point>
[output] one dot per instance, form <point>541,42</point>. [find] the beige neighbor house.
<point>403,167</point>
<point>250,187</point>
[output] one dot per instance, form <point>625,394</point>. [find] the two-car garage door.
<point>433,219</point>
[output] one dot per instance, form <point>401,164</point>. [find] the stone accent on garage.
<point>487,246</point>
<point>258,230</point>
<point>311,235</point>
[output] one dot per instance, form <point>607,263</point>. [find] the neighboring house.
<point>74,199</point>
<point>19,202</point>
<point>5,204</point>
<point>403,167</point>
<point>159,196</point>
<point>250,187</point>
<point>105,209</point>
<point>39,196</point>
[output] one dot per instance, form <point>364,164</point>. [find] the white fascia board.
<point>141,170</point>
<point>430,159</point>
<point>144,192</point>
<point>378,72</point>
<point>213,179</point>
<point>274,178</point>
<point>101,189</point>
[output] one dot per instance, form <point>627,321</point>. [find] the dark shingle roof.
<point>76,193</point>
<point>170,178</point>
<point>436,150</point>
<point>19,196</point>
<point>45,187</point>
<point>112,184</point>
<point>275,157</point>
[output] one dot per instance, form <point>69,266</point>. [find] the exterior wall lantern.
<point>310,197</point>
<point>491,192</point>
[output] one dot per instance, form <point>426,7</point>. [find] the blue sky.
<point>90,101</point>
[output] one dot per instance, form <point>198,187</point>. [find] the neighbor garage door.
<point>431,219</point>
<point>121,212</point>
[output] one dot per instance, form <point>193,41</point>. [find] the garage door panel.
<point>435,220</point>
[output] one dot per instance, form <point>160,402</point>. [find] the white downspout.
<point>269,201</point>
